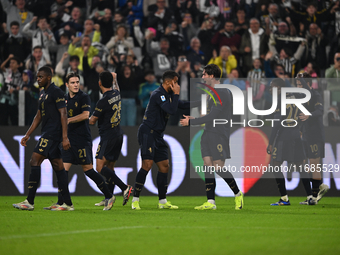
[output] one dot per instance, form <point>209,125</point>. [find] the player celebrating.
<point>52,114</point>
<point>78,111</point>
<point>215,140</point>
<point>284,142</point>
<point>107,113</point>
<point>163,101</point>
<point>313,137</point>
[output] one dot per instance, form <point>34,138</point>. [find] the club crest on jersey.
<point>163,98</point>
<point>76,104</point>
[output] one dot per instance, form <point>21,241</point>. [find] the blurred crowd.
<point>140,39</point>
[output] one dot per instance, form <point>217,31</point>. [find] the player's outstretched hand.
<point>66,144</point>
<point>175,87</point>
<point>269,149</point>
<point>185,122</point>
<point>24,140</point>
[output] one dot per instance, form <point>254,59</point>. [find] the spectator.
<point>59,11</point>
<point>233,80</point>
<point>316,46</point>
<point>42,36</point>
<point>72,24</point>
<point>253,45</point>
<point>71,67</point>
<point>225,61</point>
<point>227,37</point>
<point>106,25</point>
<point>132,11</point>
<point>333,84</point>
<point>194,54</point>
<point>205,35</point>
<point>162,59</point>
<point>270,21</point>
<point>184,7</point>
<point>60,49</point>
<point>159,18</point>
<point>188,29</point>
<point>175,39</point>
<point>31,96</point>
<point>146,88</point>
<point>129,93</point>
<point>333,118</point>
<point>9,91</point>
<point>119,20</point>
<point>240,23</point>
<point>80,51</point>
<point>36,60</point>
<point>17,12</point>
<point>15,43</point>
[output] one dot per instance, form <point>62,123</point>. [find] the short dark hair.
<point>16,59</point>
<point>46,69</point>
<point>164,39</point>
<point>307,77</point>
<point>37,47</point>
<point>148,72</point>
<point>278,82</point>
<point>288,51</point>
<point>70,75</point>
<point>74,57</point>
<point>106,79</point>
<point>40,18</point>
<point>14,23</point>
<point>169,75</point>
<point>214,70</point>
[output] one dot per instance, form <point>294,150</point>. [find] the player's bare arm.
<point>80,117</point>
<point>185,122</point>
<point>36,122</point>
<point>63,118</point>
<point>93,120</point>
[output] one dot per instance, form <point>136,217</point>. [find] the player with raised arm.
<point>313,138</point>
<point>107,113</point>
<point>163,102</point>
<point>284,142</point>
<point>215,148</point>
<point>78,111</point>
<point>53,116</point>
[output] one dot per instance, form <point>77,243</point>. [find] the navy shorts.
<point>314,149</point>
<point>48,148</point>
<point>110,149</point>
<point>78,155</point>
<point>215,146</point>
<point>288,150</point>
<point>152,145</point>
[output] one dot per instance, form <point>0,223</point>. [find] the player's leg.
<point>210,185</point>
<point>305,179</point>
<point>33,182</point>
<point>281,183</point>
<point>162,185</point>
<point>62,180</point>
<point>140,181</point>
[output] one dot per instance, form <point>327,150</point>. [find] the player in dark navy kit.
<point>80,153</point>
<point>215,140</point>
<point>313,137</point>
<point>285,143</point>
<point>163,102</point>
<point>53,116</point>
<point>107,113</point>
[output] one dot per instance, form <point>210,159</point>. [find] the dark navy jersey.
<point>49,102</point>
<point>108,112</point>
<point>217,111</point>
<point>283,133</point>
<point>78,133</point>
<point>161,105</point>
<point>312,128</point>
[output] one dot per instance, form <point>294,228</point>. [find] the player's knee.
<point>147,165</point>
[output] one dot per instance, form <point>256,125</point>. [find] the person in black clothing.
<point>53,116</point>
<point>163,102</point>
<point>107,113</point>
<point>80,153</point>
<point>215,147</point>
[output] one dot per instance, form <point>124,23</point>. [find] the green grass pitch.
<point>257,229</point>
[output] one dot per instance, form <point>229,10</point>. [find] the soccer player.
<point>163,101</point>
<point>313,137</point>
<point>284,142</point>
<point>107,113</point>
<point>78,111</point>
<point>53,116</point>
<point>215,140</point>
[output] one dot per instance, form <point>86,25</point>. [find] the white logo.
<point>163,98</point>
